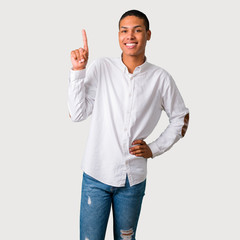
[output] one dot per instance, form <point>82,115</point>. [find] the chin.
<point>130,53</point>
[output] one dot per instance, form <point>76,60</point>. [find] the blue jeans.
<point>96,201</point>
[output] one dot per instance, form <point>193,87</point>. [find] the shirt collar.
<point>138,69</point>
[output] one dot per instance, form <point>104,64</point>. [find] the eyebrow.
<point>133,27</point>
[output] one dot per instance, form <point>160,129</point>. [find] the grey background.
<point>192,190</point>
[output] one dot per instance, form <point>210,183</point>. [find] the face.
<point>133,36</point>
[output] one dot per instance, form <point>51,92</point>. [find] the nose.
<point>130,35</point>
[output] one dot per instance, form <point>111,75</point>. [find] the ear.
<point>149,35</point>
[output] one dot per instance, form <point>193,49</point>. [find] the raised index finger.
<point>85,44</point>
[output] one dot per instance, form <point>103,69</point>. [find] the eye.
<point>138,30</point>
<point>123,31</point>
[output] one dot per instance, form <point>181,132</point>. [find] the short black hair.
<point>138,14</point>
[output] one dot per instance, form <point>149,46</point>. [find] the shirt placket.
<point>127,122</point>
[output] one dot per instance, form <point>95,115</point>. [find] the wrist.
<point>78,69</point>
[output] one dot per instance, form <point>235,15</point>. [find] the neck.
<point>132,62</point>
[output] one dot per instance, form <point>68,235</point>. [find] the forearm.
<point>175,131</point>
<point>78,105</point>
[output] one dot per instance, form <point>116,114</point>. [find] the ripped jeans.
<point>96,201</point>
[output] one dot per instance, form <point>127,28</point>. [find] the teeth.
<point>130,44</point>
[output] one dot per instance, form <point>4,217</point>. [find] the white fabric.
<point>124,107</point>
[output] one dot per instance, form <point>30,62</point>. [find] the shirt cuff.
<point>76,75</point>
<point>154,148</point>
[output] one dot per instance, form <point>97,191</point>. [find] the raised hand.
<point>79,57</point>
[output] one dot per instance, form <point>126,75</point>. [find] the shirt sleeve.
<point>81,93</point>
<point>178,114</point>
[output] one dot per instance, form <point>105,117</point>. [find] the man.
<point>125,97</point>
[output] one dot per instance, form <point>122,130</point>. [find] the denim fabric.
<point>96,201</point>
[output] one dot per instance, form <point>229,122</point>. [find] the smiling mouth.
<point>130,45</point>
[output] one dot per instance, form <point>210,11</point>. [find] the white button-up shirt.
<point>124,107</point>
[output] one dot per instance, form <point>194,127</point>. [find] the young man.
<point>125,97</point>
